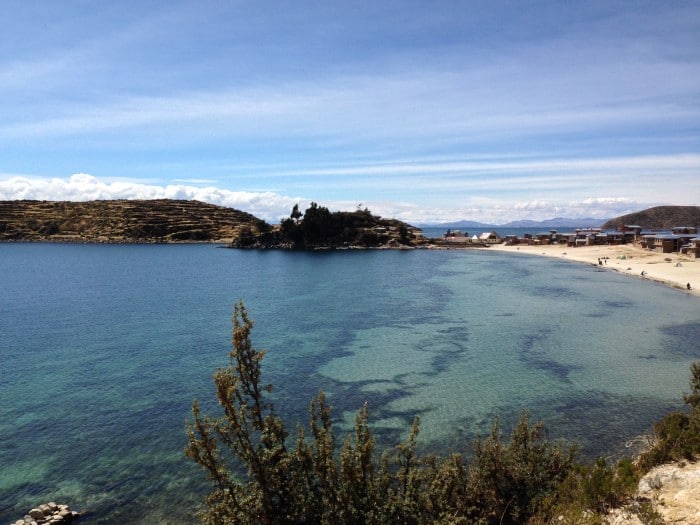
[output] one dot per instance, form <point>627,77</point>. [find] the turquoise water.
<point>105,347</point>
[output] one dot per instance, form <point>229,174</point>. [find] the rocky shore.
<point>674,491</point>
<point>50,514</point>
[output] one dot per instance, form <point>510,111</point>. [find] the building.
<point>693,248</point>
<point>490,238</point>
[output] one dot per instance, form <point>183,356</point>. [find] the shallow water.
<point>105,347</point>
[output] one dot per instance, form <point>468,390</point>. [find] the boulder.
<point>36,513</point>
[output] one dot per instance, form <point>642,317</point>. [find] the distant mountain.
<point>558,222</point>
<point>457,225</point>
<point>658,218</point>
<point>123,221</point>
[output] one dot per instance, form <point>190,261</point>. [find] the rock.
<point>37,514</point>
<point>673,489</point>
<point>49,514</point>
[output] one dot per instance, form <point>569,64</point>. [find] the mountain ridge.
<point>557,222</point>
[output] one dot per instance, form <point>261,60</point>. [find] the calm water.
<point>105,347</point>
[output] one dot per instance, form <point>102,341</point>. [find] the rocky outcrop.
<point>672,490</point>
<point>49,514</point>
<point>123,221</point>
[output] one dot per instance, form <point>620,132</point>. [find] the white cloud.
<point>272,206</point>
<point>84,187</point>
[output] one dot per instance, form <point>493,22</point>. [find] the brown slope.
<point>659,217</point>
<point>122,221</point>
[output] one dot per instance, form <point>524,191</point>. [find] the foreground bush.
<point>261,475</point>
<point>677,435</point>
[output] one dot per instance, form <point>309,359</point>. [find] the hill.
<point>123,221</point>
<point>658,218</point>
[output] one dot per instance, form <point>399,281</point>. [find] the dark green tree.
<point>296,214</point>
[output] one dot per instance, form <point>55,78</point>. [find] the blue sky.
<point>425,111</point>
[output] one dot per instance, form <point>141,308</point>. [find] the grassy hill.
<point>123,221</point>
<point>658,218</point>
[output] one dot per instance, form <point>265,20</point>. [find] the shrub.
<point>511,482</point>
<point>677,435</point>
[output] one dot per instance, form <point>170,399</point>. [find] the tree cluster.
<point>262,475</point>
<point>319,227</point>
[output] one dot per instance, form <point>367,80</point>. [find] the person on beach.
<point>688,286</point>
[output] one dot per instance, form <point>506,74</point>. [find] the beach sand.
<point>672,269</point>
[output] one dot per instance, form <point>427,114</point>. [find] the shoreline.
<point>671,269</point>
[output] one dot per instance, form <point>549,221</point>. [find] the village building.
<point>490,238</point>
<point>693,248</point>
<point>684,230</point>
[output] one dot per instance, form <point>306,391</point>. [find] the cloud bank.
<point>273,206</point>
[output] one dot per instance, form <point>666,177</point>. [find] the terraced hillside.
<point>123,221</point>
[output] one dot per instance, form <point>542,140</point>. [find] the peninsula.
<point>123,221</point>
<point>185,221</point>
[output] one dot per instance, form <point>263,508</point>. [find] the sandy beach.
<point>672,269</point>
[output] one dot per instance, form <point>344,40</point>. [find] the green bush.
<point>511,482</point>
<point>677,435</point>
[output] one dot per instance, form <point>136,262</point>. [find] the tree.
<point>250,430</point>
<point>257,479</point>
<point>296,214</point>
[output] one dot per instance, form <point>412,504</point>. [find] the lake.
<point>104,348</point>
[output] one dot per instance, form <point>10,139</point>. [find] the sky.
<point>423,111</point>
